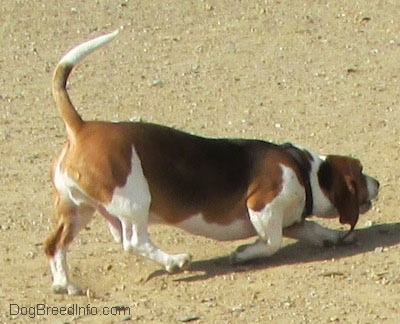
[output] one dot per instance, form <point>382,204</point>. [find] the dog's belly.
<point>240,228</point>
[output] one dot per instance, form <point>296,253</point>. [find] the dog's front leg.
<point>316,234</point>
<point>269,229</point>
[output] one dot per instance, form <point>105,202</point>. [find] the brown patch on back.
<point>188,174</point>
<point>215,177</point>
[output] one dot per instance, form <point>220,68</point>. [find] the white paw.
<point>259,249</point>
<point>178,262</point>
<point>127,246</point>
<point>241,254</point>
<point>69,289</point>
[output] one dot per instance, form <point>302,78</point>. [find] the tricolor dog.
<point>136,174</point>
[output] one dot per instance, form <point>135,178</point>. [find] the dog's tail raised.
<point>72,119</point>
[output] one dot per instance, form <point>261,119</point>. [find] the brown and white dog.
<point>135,174</point>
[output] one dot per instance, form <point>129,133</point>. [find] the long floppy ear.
<point>346,201</point>
<point>336,178</point>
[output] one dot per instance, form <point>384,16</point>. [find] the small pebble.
<point>157,83</point>
<point>184,318</point>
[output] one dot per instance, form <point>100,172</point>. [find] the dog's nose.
<point>375,189</point>
<point>377,184</point>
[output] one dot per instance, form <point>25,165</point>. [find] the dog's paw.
<point>69,289</point>
<point>240,255</point>
<point>178,262</point>
<point>348,239</point>
<point>342,239</point>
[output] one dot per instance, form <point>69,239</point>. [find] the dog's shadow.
<point>369,239</point>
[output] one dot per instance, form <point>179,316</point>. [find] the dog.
<point>135,174</point>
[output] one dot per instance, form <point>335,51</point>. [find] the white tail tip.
<point>79,52</point>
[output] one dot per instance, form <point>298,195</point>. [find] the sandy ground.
<point>323,74</point>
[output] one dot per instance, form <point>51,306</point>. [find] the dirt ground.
<point>322,74</point>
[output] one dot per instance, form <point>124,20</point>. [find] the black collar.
<point>300,157</point>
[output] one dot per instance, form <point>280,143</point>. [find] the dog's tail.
<point>72,119</point>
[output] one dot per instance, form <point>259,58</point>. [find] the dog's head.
<point>349,190</point>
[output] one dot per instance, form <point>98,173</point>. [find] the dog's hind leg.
<point>131,204</point>
<point>114,225</point>
<point>135,238</point>
<point>70,220</point>
<point>141,243</point>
